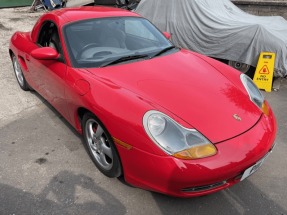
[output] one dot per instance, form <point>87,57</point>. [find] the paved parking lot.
<point>44,168</point>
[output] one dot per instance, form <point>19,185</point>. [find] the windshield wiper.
<point>163,51</point>
<point>123,59</point>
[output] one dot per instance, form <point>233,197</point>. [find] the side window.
<point>49,37</point>
<point>135,28</point>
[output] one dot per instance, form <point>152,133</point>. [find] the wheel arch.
<point>81,111</point>
<point>11,53</point>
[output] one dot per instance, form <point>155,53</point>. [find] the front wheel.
<point>19,74</point>
<point>101,146</point>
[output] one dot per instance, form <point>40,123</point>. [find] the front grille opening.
<point>204,188</point>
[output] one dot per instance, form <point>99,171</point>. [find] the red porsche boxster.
<point>167,119</point>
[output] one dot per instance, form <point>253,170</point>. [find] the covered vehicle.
<point>142,105</point>
<point>219,29</point>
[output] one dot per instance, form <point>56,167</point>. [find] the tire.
<point>242,67</point>
<point>100,146</point>
<point>19,74</point>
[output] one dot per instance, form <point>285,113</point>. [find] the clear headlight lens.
<point>176,140</point>
<point>254,93</point>
<point>156,124</point>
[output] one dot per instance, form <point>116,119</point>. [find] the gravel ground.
<point>12,100</point>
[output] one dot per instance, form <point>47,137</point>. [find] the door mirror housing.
<point>167,35</point>
<point>45,53</point>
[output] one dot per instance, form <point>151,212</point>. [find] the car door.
<point>51,74</point>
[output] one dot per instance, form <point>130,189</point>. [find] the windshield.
<point>106,41</point>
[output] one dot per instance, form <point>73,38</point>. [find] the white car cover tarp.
<point>217,28</point>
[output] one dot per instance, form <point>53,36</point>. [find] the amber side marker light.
<point>265,108</point>
<point>123,144</point>
<point>197,152</point>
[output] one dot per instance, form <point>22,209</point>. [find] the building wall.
<point>263,7</point>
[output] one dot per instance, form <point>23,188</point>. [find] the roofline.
<point>68,15</point>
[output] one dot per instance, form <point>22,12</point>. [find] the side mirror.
<point>45,53</point>
<point>167,35</point>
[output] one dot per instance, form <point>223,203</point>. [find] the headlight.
<point>176,140</point>
<point>254,93</point>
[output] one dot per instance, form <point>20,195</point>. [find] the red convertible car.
<point>167,119</point>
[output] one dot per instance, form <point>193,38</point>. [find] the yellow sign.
<point>263,76</point>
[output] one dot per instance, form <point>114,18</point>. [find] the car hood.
<point>190,88</point>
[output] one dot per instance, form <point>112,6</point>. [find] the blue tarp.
<point>52,4</point>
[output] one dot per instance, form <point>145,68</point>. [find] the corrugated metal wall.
<point>15,3</point>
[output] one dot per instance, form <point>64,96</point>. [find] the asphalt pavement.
<point>45,169</point>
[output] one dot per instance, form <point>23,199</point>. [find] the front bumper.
<point>188,178</point>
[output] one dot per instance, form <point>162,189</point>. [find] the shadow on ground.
<point>59,197</point>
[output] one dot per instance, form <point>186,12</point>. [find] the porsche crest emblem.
<point>238,118</point>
